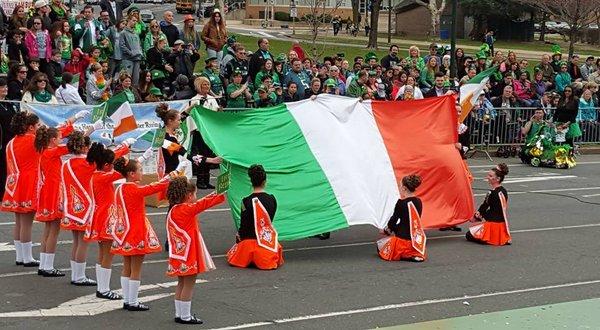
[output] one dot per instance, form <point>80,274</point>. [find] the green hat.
<point>341,55</point>
<point>372,73</point>
<point>231,39</point>
<point>237,72</point>
<point>555,50</point>
<point>330,83</point>
<point>157,74</point>
<point>262,88</point>
<point>481,55</point>
<point>155,91</point>
<point>281,58</point>
<point>370,55</point>
<point>210,58</point>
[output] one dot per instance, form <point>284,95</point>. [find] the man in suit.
<point>438,88</point>
<point>115,8</point>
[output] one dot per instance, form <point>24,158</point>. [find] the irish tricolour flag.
<point>470,91</point>
<point>119,111</point>
<point>334,162</point>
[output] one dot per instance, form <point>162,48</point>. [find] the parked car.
<point>185,6</point>
<point>146,15</point>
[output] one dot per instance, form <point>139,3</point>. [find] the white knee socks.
<point>43,257</point>
<point>49,261</point>
<point>125,288</point>
<point>134,287</point>
<point>73,270</point>
<point>185,309</point>
<point>103,278</point>
<point>177,308</point>
<point>26,252</point>
<point>77,271</point>
<point>18,251</point>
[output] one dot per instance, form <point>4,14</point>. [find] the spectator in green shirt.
<point>237,93</point>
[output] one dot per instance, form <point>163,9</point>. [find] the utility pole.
<point>453,41</point>
<point>389,22</point>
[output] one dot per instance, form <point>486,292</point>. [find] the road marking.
<point>524,165</point>
<point>409,304</point>
<point>534,179</point>
<point>8,246</point>
<point>545,191</point>
<point>148,214</point>
<point>90,305</point>
<point>593,195</point>
<point>323,247</point>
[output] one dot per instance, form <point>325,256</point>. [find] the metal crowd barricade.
<point>501,127</point>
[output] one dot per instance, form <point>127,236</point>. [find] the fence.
<point>501,127</point>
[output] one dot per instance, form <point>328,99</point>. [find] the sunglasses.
<point>36,23</point>
<point>23,71</point>
<point>39,81</point>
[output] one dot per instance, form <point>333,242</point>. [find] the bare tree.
<point>319,16</point>
<point>578,14</point>
<point>373,33</point>
<point>436,8</point>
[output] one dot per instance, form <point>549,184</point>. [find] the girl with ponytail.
<point>493,212</point>
<point>76,176</point>
<point>133,234</point>
<point>49,208</point>
<point>20,195</point>
<point>100,227</point>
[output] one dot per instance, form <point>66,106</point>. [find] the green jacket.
<point>355,89</point>
<point>149,42</point>
<point>261,73</point>
<point>82,34</point>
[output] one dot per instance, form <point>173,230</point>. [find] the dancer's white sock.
<point>185,309</point>
<point>177,308</point>
<point>26,249</point>
<point>43,257</point>
<point>103,278</point>
<point>80,266</point>
<point>49,261</point>
<point>134,287</point>
<point>125,288</point>
<point>18,251</point>
<point>73,270</point>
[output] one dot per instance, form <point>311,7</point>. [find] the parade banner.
<point>334,161</point>
<point>144,114</point>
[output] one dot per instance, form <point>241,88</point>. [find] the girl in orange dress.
<point>133,235</point>
<point>49,204</point>
<point>188,255</point>
<point>76,176</point>
<point>406,238</point>
<point>493,212</point>
<point>256,241</point>
<point>20,195</point>
<point>103,196</point>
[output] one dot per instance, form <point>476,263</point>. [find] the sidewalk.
<point>581,314</point>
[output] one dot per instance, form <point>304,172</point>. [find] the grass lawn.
<point>423,42</point>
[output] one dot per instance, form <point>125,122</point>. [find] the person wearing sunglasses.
<point>38,41</point>
<point>153,36</point>
<point>39,90</point>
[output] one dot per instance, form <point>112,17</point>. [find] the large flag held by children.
<point>333,162</point>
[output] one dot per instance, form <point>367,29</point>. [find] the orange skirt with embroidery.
<point>69,224</point>
<point>492,233</point>
<point>98,229</point>
<point>393,248</point>
<point>248,252</point>
<point>140,240</point>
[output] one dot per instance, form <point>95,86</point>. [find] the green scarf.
<point>42,96</point>
<point>58,10</point>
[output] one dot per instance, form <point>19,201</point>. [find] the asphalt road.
<point>341,283</point>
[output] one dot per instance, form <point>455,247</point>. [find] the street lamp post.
<point>453,41</point>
